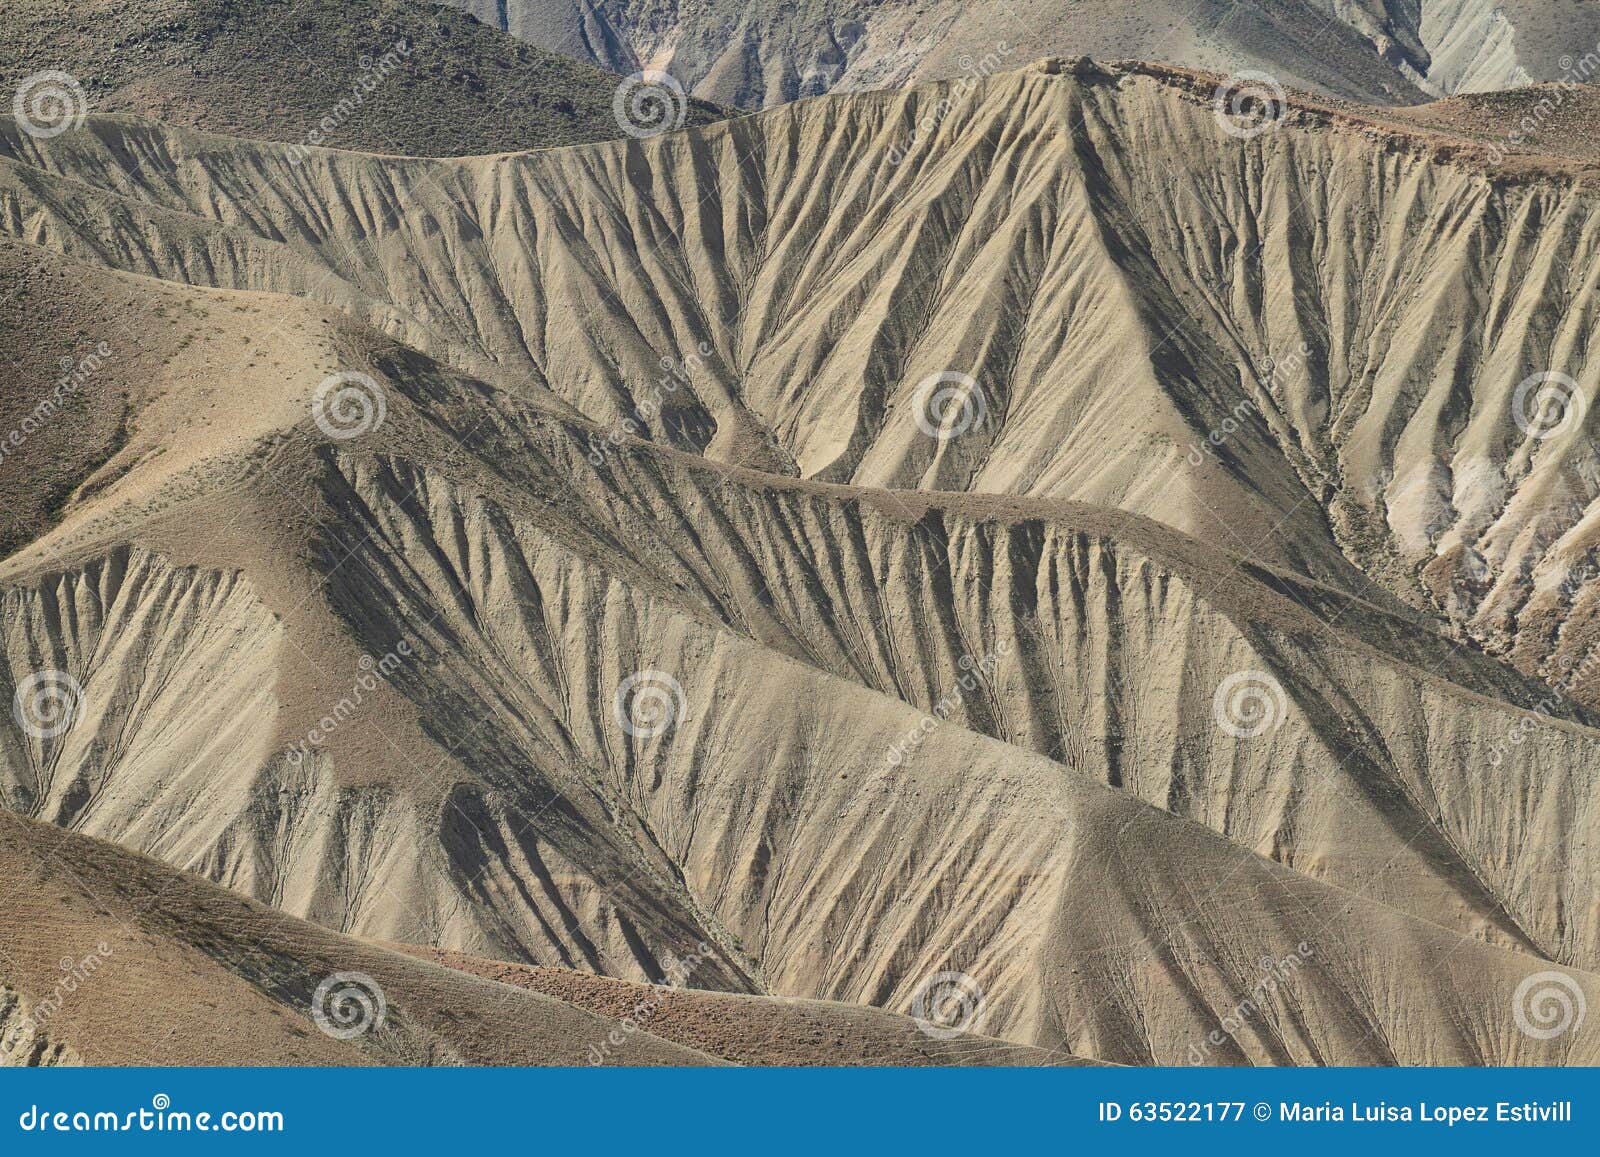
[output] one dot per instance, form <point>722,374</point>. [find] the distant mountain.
<point>387,76</point>
<point>760,53</point>
<point>1483,45</point>
<point>765,52</point>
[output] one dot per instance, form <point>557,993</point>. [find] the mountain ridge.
<point>558,557</point>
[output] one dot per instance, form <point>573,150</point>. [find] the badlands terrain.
<point>755,53</point>
<point>1094,562</point>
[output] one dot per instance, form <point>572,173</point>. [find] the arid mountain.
<point>753,55</point>
<point>1126,554</point>
<point>756,1030</point>
<point>107,957</point>
<point>1483,45</point>
<point>760,54</point>
<point>804,304</point>
<point>386,76</point>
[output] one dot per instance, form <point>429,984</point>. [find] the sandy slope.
<point>157,967</point>
<point>755,1030</point>
<point>1363,416</point>
<point>806,575</point>
<point>487,796</point>
<point>108,958</point>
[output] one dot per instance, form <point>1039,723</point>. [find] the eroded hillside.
<point>563,557</point>
<point>849,280</point>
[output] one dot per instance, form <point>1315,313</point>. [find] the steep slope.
<point>1374,51</point>
<point>761,54</point>
<point>1483,45</point>
<point>812,311</point>
<point>757,1030</point>
<point>109,958</point>
<point>828,878</point>
<point>439,682</point>
<point>387,76</point>
<point>147,946</point>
